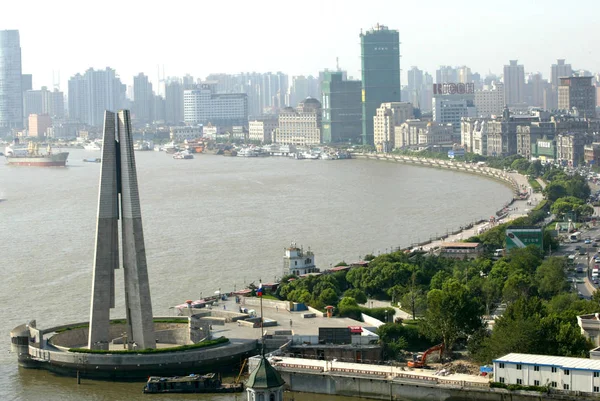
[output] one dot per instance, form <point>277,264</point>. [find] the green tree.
<point>535,169</point>
<point>555,190</point>
<point>452,312</point>
<point>328,297</point>
<point>521,165</point>
<point>551,277</point>
<point>414,301</point>
<point>518,285</point>
<point>566,204</point>
<point>357,294</point>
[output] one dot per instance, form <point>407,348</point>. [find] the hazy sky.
<point>297,37</point>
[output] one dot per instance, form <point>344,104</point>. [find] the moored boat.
<point>183,155</point>
<point>31,156</point>
<point>96,145</point>
<point>208,383</point>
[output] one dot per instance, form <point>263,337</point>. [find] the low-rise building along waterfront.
<point>556,372</point>
<point>461,250</point>
<point>261,129</point>
<point>387,117</point>
<point>592,154</point>
<point>180,134</point>
<point>569,148</point>
<point>297,261</point>
<point>300,126</point>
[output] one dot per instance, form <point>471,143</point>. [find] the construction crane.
<point>420,361</point>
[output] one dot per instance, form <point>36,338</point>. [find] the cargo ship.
<point>30,156</point>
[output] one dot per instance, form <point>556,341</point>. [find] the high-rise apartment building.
<point>559,70</point>
<point>26,82</point>
<point>342,109</point>
<point>489,101</point>
<point>419,89</point>
<point>446,74</point>
<point>94,92</point>
<point>174,102</point>
<point>464,75</point>
<point>380,63</point>
<point>202,105</point>
<point>535,90</point>
<point>143,99</point>
<point>514,83</point>
<point>388,116</point>
<point>300,126</point>
<point>577,93</point>
<point>11,92</point>
<point>303,87</point>
<point>44,101</point>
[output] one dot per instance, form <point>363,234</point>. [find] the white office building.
<point>387,117</point>
<point>262,129</point>
<point>557,372</point>
<point>202,106</point>
<point>451,109</point>
<point>490,100</point>
<point>180,134</point>
<point>300,126</point>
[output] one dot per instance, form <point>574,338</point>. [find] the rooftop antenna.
<point>337,63</point>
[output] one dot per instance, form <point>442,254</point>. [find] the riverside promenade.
<point>515,207</point>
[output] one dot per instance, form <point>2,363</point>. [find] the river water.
<point>210,223</point>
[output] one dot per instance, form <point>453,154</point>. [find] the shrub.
<point>220,340</point>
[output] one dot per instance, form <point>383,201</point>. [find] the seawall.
<point>388,388</point>
<point>489,172</point>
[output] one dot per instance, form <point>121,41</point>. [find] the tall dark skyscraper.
<point>341,108</point>
<point>380,63</point>
<point>11,92</point>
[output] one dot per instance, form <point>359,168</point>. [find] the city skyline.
<point>446,36</point>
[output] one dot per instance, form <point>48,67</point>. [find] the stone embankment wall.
<point>379,387</point>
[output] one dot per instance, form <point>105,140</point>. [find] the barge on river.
<point>208,383</point>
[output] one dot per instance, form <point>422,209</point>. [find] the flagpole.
<point>262,330</point>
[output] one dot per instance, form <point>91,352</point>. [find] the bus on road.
<point>575,237</point>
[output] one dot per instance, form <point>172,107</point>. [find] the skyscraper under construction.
<point>380,64</point>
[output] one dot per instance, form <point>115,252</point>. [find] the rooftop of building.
<point>468,245</point>
<point>562,362</point>
<point>264,376</point>
<point>591,316</point>
<point>523,228</point>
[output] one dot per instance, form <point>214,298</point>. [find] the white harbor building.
<point>297,261</point>
<point>557,372</point>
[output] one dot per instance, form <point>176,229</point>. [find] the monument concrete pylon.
<point>118,199</point>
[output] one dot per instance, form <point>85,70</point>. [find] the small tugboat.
<point>208,383</point>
